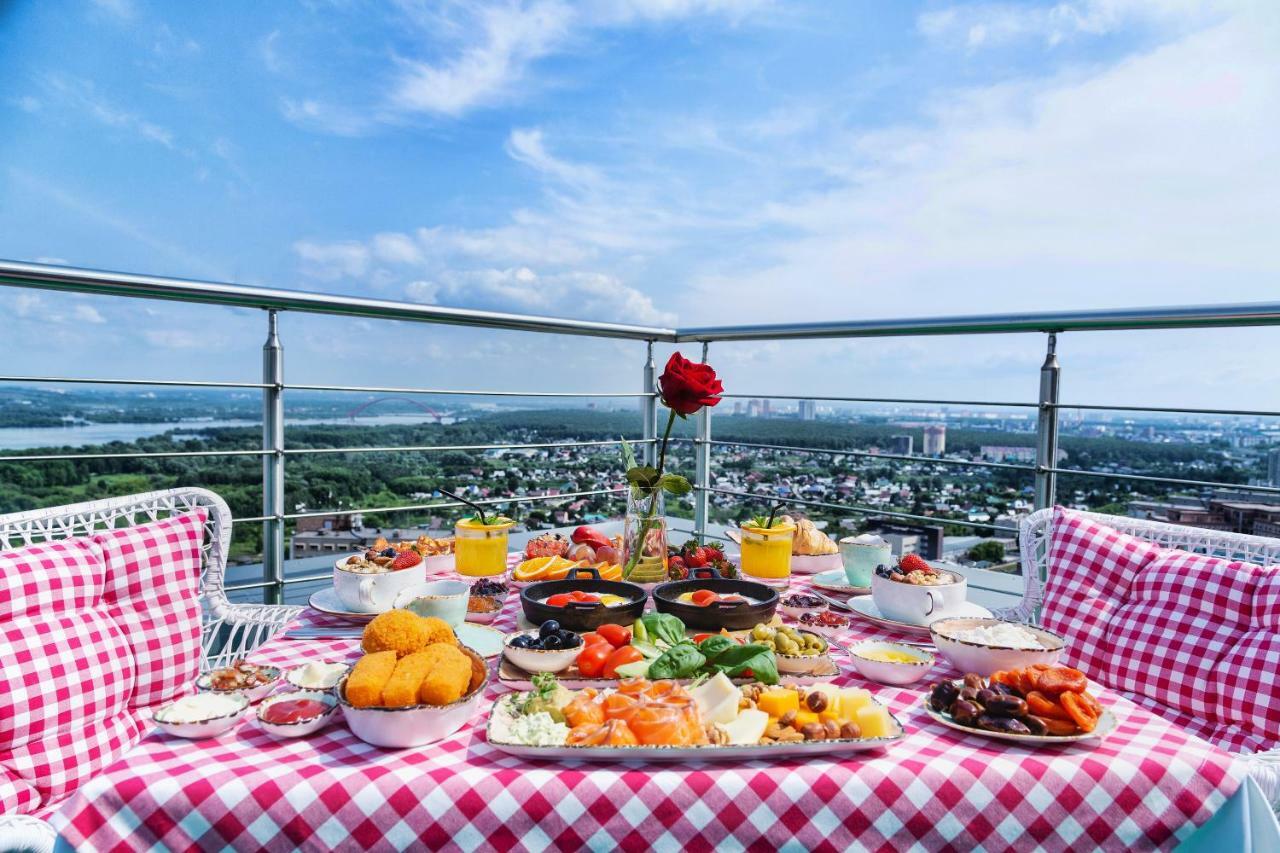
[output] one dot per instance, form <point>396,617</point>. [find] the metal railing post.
<point>702,465</point>
<point>649,408</point>
<point>273,463</point>
<point>1047,427</point>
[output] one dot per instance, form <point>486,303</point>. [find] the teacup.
<point>445,600</point>
<point>363,592</point>
<point>917,604</point>
<point>861,558</point>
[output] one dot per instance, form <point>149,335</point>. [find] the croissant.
<point>809,541</point>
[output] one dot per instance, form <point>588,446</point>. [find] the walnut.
<point>787,720</point>
<point>716,735</point>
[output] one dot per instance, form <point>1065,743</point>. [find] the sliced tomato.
<point>620,657</point>
<point>698,638</point>
<point>591,660</point>
<point>561,600</point>
<point>704,597</point>
<point>615,635</point>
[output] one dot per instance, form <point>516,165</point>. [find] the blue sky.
<point>664,161</point>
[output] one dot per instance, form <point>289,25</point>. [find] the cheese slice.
<point>747,728</point>
<point>714,691</point>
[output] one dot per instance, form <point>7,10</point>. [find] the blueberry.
<point>388,552</point>
<point>548,628</point>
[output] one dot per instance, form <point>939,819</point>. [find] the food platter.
<point>1106,725</point>
<point>866,608</point>
<point>648,754</point>
<point>510,675</point>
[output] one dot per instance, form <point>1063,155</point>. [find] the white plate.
<point>1106,725</point>
<point>485,640</point>
<point>836,581</point>
<point>812,564</point>
<point>865,607</point>
<point>326,601</point>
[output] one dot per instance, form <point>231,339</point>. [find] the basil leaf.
<point>753,656</point>
<point>683,660</point>
<point>712,647</point>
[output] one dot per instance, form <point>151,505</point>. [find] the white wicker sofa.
<point>229,630</point>
<point>1034,541</point>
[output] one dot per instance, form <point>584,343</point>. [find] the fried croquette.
<point>448,675</point>
<point>398,631</point>
<point>368,677</point>
<point>438,631</point>
<point>402,688</point>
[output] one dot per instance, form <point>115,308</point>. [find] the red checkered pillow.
<point>1195,636</point>
<point>152,589</point>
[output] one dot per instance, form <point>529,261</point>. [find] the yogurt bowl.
<point>985,646</point>
<point>202,715</point>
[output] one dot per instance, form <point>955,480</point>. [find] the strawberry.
<point>713,552</point>
<point>696,559</point>
<point>914,563</point>
<point>406,560</point>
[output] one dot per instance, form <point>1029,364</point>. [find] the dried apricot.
<point>1059,728</point>
<point>1080,712</point>
<point>1043,706</point>
<point>1060,679</point>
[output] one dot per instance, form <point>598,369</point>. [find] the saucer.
<point>326,601</point>
<point>836,581</point>
<point>487,642</point>
<point>865,607</point>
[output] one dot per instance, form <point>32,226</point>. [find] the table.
<point>1147,786</point>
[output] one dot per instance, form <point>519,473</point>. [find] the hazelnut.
<point>787,720</point>
<point>814,731</point>
<point>833,729</point>
<point>850,730</point>
<point>816,701</point>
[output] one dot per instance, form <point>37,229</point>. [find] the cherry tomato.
<point>591,660</point>
<point>615,635</point>
<point>621,657</point>
<point>591,638</point>
<point>704,597</point>
<point>561,600</point>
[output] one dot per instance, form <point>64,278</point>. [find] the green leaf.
<point>628,456</point>
<point>644,476</point>
<point>675,484</point>
<point>753,656</point>
<point>712,647</point>
<point>680,661</point>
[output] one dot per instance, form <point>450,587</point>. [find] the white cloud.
<point>87,314</point>
<point>27,305</point>
<point>178,339</point>
<point>526,146</point>
<point>331,261</point>
<point>83,95</point>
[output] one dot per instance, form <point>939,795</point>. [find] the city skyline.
<point>655,163</point>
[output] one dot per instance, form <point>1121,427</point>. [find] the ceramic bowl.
<point>486,618</point>
<point>443,599</point>
<point>302,728</point>
<point>205,684</point>
<point>540,660</point>
<point>293,676</point>
<point>968,656</point>
<point>795,612</point>
<point>891,672</point>
<point>801,664</point>
<point>211,727</point>
<point>416,725</point>
<point>827,630</point>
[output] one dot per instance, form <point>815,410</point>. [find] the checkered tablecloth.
<point>1147,786</point>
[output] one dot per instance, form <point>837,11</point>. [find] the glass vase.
<point>644,538</point>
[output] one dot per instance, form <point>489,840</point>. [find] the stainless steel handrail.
<point>455,504</point>
<point>1260,413</point>
<point>145,454</point>
<point>1176,481</point>
<point>866,454</point>
<point>430,448</point>
<point>373,389</point>
<point>181,383</point>
<point>903,400</point>
<point>46,277</point>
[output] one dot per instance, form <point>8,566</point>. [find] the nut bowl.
<point>209,727</point>
<point>898,673</point>
<point>986,658</point>
<point>416,725</point>
<point>301,728</point>
<point>205,684</point>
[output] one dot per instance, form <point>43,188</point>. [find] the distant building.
<point>935,440</point>
<point>1273,467</point>
<point>344,534</point>
<point>737,407</point>
<point>901,444</point>
<point>926,540</point>
<point>1002,453</point>
<point>766,408</point>
<point>808,410</point>
<point>753,408</point>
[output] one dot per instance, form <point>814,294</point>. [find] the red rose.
<point>687,386</point>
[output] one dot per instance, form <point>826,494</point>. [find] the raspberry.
<point>406,560</point>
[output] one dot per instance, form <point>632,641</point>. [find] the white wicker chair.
<point>1033,539</point>
<point>229,630</point>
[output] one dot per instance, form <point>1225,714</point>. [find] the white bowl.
<point>301,728</point>
<point>294,674</point>
<point>890,672</point>
<point>826,630</point>
<point>812,564</point>
<point>413,725</point>
<point>211,727</point>
<point>983,659</point>
<point>204,683</point>
<point>540,660</point>
<point>483,618</point>
<point>797,612</point>
<point>801,664</point>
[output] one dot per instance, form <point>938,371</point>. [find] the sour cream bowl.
<point>201,715</point>
<point>985,646</point>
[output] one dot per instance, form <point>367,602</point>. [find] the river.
<point>82,435</point>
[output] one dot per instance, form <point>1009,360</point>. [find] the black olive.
<point>552,642</point>
<point>548,628</point>
<point>524,641</point>
<point>568,639</point>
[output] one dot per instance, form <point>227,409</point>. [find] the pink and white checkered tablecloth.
<point>1147,786</point>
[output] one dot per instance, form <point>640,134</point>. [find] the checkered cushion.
<point>93,633</point>
<point>152,589</point>
<point>1194,637</point>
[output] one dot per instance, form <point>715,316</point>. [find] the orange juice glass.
<point>766,553</point>
<point>480,550</point>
